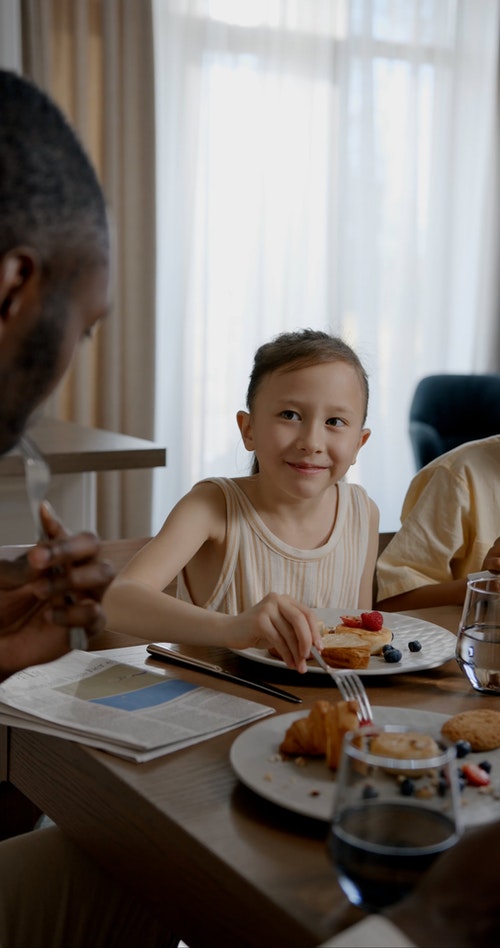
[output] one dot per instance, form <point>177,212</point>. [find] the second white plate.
<point>438,645</point>
<point>309,789</point>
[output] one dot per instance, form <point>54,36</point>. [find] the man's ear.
<point>20,277</point>
<point>245,425</point>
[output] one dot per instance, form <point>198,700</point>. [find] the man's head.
<point>54,250</point>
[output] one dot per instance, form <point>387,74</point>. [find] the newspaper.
<point>120,705</point>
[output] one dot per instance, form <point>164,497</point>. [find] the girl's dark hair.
<point>292,350</point>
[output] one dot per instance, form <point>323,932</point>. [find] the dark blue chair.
<point>448,410</point>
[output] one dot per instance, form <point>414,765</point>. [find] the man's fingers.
<point>51,524</point>
<point>15,573</point>
<point>85,613</point>
<point>91,579</point>
<point>64,551</point>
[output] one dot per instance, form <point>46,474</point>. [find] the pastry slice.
<point>345,650</point>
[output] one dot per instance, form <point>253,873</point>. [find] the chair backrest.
<point>448,410</point>
<point>119,552</point>
<point>383,540</point>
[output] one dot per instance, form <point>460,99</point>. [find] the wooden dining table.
<point>217,862</point>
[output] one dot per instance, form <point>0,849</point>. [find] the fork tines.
<point>350,686</point>
<point>352,689</point>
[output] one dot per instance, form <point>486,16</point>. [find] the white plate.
<point>438,645</point>
<point>310,789</point>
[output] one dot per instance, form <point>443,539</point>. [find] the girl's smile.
<point>304,468</point>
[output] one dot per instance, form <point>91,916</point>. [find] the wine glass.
<point>478,639</point>
<point>392,816</point>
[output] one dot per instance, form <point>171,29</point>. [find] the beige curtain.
<point>95,57</point>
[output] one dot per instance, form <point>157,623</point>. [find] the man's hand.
<point>492,558</point>
<point>56,586</point>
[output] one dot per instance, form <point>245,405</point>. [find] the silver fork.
<point>37,473</point>
<point>350,686</point>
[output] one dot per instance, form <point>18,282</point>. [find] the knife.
<point>159,651</point>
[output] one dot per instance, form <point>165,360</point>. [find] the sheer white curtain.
<point>324,163</point>
<point>10,35</point>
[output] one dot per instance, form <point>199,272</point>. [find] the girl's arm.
<point>277,622</point>
<point>136,604</point>
<point>366,586</point>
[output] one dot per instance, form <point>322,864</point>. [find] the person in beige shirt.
<point>450,527</point>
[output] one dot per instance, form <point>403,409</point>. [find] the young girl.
<point>255,555</point>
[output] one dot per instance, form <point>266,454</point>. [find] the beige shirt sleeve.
<point>373,932</point>
<point>442,535</point>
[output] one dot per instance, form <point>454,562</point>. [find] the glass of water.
<point>393,816</point>
<point>478,639</point>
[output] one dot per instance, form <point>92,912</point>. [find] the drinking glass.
<point>392,816</point>
<point>478,639</point>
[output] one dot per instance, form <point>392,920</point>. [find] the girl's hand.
<point>280,622</point>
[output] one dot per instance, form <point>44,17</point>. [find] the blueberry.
<point>462,780</point>
<point>387,648</point>
<point>463,748</point>
<point>407,787</point>
<point>369,792</point>
<point>486,766</point>
<point>414,646</point>
<point>442,786</point>
<point>392,655</point>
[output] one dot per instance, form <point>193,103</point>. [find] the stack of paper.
<point>120,705</point>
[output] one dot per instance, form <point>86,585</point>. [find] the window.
<point>317,167</point>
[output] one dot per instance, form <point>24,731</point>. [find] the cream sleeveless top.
<point>257,562</point>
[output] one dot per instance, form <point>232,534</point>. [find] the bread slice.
<point>407,745</point>
<point>376,640</point>
<point>345,650</point>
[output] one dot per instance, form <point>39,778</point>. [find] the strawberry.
<point>352,622</point>
<point>372,621</point>
<point>369,621</point>
<point>475,775</point>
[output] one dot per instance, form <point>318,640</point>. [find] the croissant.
<point>342,717</point>
<point>321,732</point>
<point>308,735</point>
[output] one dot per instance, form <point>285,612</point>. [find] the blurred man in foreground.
<point>54,275</point>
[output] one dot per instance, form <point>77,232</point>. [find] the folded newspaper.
<point>120,705</point>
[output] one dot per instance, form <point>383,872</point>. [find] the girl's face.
<point>306,426</point>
